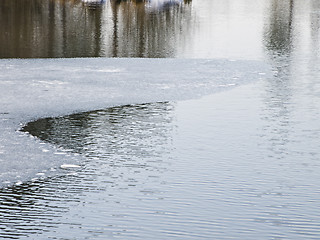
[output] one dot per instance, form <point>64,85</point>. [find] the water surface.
<point>240,164</point>
<point>159,28</point>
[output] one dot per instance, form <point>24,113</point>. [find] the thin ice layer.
<point>32,89</point>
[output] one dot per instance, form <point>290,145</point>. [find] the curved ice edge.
<point>38,88</point>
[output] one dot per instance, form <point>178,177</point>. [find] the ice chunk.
<point>68,166</point>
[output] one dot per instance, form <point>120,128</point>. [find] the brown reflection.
<point>75,28</point>
<point>47,28</point>
<point>138,28</point>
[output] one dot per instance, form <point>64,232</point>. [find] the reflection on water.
<point>74,28</point>
<point>156,28</point>
<point>36,28</point>
<point>278,95</point>
<point>139,124</point>
<point>290,113</point>
<point>278,35</point>
<point>295,62</point>
<point>146,30</point>
<point>32,208</point>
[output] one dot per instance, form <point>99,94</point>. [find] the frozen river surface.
<point>191,147</point>
<point>32,89</point>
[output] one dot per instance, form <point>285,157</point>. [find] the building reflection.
<point>75,28</point>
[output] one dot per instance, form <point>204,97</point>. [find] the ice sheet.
<point>32,89</point>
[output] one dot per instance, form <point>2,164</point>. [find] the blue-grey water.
<point>242,163</point>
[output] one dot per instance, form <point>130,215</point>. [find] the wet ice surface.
<point>31,89</point>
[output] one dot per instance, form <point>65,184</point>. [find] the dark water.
<point>242,164</point>
<point>46,28</point>
<point>129,155</point>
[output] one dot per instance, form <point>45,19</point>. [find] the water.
<point>242,163</point>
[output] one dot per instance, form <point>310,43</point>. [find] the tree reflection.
<point>278,33</point>
<point>75,28</point>
<point>315,30</point>
<point>140,29</point>
<point>37,28</point>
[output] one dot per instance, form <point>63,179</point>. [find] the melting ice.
<point>32,89</point>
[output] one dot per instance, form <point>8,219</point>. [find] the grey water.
<point>238,164</point>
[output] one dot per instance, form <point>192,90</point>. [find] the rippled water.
<point>240,164</point>
<point>124,166</point>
